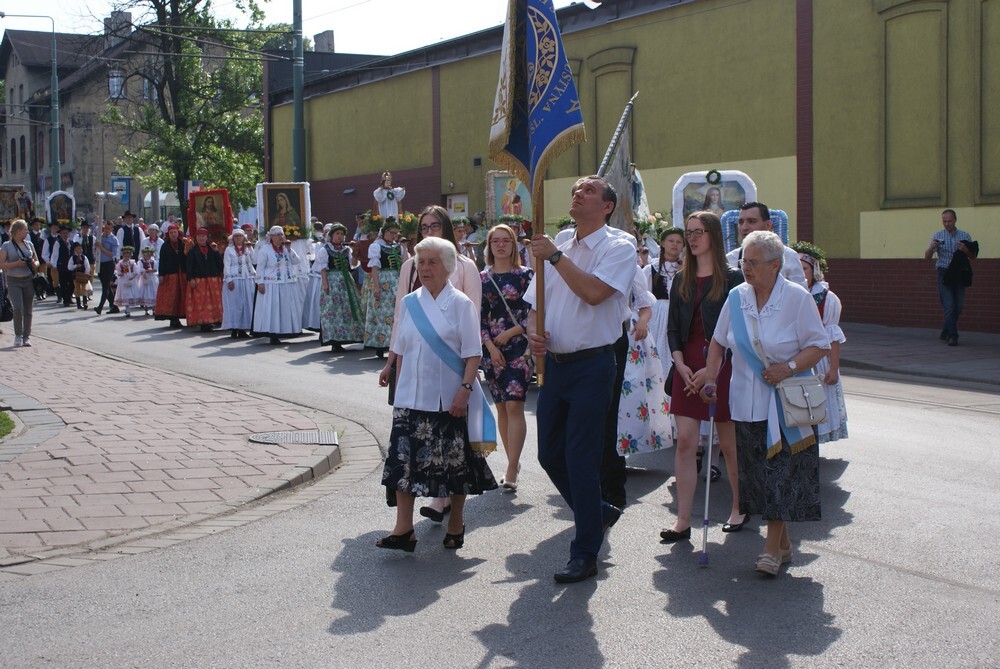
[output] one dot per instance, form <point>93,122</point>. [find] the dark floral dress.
<point>509,383</point>
<point>786,487</point>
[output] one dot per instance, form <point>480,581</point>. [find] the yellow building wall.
<point>387,126</point>
<point>906,233</point>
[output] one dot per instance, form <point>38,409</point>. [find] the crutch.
<point>703,558</point>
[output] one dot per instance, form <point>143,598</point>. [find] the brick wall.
<point>904,293</point>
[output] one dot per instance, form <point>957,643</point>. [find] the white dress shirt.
<point>573,324</point>
<point>788,323</point>
<point>426,383</point>
<point>791,267</point>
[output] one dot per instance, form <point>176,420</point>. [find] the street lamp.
<point>103,197</point>
<point>54,141</point>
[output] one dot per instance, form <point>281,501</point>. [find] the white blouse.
<point>274,267</point>
<point>426,383</point>
<point>238,266</point>
<point>788,323</point>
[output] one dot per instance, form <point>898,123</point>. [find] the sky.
<point>378,27</point>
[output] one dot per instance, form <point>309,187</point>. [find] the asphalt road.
<point>900,572</point>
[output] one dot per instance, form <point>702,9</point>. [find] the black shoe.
<point>406,542</point>
<point>453,541</point>
<point>611,516</point>
<point>576,570</point>
<point>274,340</point>
<point>434,514</point>
<point>736,527</point>
<point>336,348</point>
<point>715,475</point>
<point>98,310</point>
<point>669,536</point>
<point>114,310</point>
<point>380,352</point>
<point>242,334</point>
<point>233,334</point>
<point>175,324</point>
<point>953,341</point>
<point>205,328</point>
<point>943,336</point>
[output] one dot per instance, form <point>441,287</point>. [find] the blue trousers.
<point>571,411</point>
<point>952,300</point>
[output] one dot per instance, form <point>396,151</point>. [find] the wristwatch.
<point>555,257</point>
<point>791,365</point>
<point>467,386</point>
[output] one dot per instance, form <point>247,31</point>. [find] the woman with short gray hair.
<point>19,264</point>
<point>775,332</point>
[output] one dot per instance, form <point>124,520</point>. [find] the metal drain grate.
<point>322,438</point>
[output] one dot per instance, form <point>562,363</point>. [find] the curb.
<point>951,378</point>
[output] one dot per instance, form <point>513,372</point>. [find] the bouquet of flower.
<point>373,222</point>
<point>292,232</point>
<point>408,222</point>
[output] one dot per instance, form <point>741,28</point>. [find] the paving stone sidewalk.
<point>154,449</point>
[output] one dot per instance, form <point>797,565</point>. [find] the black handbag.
<point>7,311</point>
<point>392,383</point>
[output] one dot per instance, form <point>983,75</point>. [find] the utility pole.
<point>298,74</point>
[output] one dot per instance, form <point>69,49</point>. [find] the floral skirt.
<point>341,317</point>
<point>786,487</point>
<point>171,296</point>
<point>379,310</point>
<point>204,301</point>
<point>430,456</point>
<point>644,420</point>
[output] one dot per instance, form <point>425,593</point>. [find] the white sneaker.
<point>17,342</point>
<point>25,342</point>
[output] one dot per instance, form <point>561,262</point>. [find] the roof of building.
<point>34,48</point>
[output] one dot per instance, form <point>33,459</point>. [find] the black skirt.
<point>430,456</point>
<point>786,487</point>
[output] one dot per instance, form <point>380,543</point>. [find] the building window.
<point>149,91</point>
<point>41,149</point>
<point>13,155</point>
<point>116,84</point>
<point>23,155</point>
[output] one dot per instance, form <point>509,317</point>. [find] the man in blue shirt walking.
<point>946,243</point>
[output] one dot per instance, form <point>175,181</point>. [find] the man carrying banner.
<point>586,280</point>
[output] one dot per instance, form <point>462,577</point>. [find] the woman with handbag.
<point>775,332</point>
<point>19,264</point>
<point>696,298</point>
<point>431,448</point>
<point>506,362</point>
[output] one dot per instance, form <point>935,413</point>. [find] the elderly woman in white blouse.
<point>440,411</point>
<point>778,465</point>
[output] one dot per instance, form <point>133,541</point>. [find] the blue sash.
<point>482,424</point>
<point>799,438</point>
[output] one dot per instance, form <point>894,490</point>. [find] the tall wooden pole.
<point>538,225</point>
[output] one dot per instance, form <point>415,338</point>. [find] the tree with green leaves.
<point>200,118</point>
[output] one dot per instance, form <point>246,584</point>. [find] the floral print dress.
<point>510,382</point>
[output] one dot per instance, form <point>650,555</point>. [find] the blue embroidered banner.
<point>536,115</point>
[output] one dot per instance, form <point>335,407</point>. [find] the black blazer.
<point>681,313</point>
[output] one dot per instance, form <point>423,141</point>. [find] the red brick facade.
<point>904,293</point>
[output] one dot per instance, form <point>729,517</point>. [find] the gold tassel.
<point>483,447</point>
<point>800,446</point>
<point>774,450</point>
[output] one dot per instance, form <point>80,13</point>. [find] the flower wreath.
<point>713,177</point>
<point>814,251</point>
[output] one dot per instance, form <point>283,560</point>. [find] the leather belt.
<point>582,354</point>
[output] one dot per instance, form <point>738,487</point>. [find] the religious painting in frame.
<point>210,210</point>
<point>506,196</point>
<point>60,207</point>
<point>285,205</point>
<point>715,191</point>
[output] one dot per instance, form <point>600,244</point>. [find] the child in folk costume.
<point>79,265</point>
<point>643,413</point>
<point>127,277</point>
<point>342,320</point>
<point>238,287</point>
<point>278,311</point>
<point>204,283</point>
<point>148,279</point>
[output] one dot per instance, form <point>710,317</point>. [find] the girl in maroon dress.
<point>696,298</point>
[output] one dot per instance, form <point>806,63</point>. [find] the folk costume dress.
<point>204,286</point>
<point>171,294</point>
<point>511,381</point>
<point>237,303</point>
<point>387,259</point>
<point>310,305</point>
<point>278,312</point>
<point>835,425</point>
<point>432,453</point>
<point>662,277</point>
<point>341,317</point>
<point>149,282</point>
<point>129,293</point>
<point>644,422</point>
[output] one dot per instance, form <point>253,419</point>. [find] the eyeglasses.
<point>433,226</point>
<point>694,233</point>
<point>501,242</point>
<point>753,264</point>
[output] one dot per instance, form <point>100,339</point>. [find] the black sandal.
<point>404,542</point>
<point>453,541</point>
